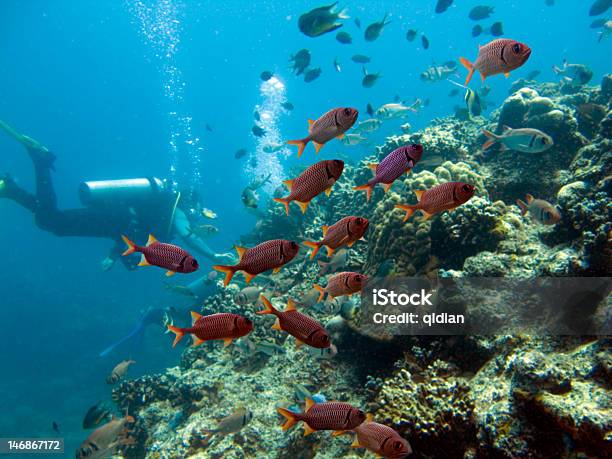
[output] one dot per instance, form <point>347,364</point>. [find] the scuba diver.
<point>134,206</point>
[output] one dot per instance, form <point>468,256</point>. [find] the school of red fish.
<point>498,56</point>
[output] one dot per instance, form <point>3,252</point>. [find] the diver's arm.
<point>181,229</point>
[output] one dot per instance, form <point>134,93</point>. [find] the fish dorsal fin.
<point>369,417</point>
<point>195,316</point>
<point>309,404</point>
<point>288,184</point>
<point>373,167</point>
<point>325,228</point>
<point>151,240</point>
<point>290,305</point>
<point>310,123</point>
<point>418,194</point>
<point>241,251</point>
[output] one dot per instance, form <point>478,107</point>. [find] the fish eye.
<point>248,321</point>
<point>466,188</point>
<point>516,48</point>
<point>194,263</point>
<point>359,220</point>
<point>347,111</point>
<point>294,245</point>
<point>398,445</point>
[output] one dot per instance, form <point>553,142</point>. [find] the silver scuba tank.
<point>126,191</point>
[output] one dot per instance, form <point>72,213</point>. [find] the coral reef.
<point>503,397</point>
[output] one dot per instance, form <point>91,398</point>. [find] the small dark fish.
<point>370,110</point>
<point>453,92</point>
<point>425,42</point>
<point>443,5</point>
<point>497,29</point>
<point>266,75</point>
<point>300,60</point>
<point>56,428</point>
<point>312,74</point>
<point>480,12</point>
<point>258,132</point>
<point>369,79</point>
<point>598,23</point>
<point>358,23</point>
<point>533,75</point>
<point>253,162</point>
<point>599,7</point>
<point>373,31</point>
<point>344,38</point>
<point>208,128</point>
<point>287,106</point>
<point>411,35</point>
<point>256,115</point>
<point>167,256</point>
<point>360,59</point>
<point>476,30</point>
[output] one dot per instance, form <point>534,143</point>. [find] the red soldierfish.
<point>313,181</point>
<point>223,326</point>
<point>381,440</point>
<point>499,56</point>
<point>344,232</point>
<point>304,328</point>
<point>345,283</point>
<point>540,210</point>
<point>399,161</point>
<point>336,416</point>
<point>168,256</point>
<point>441,197</point>
<point>263,257</point>
<point>333,124</point>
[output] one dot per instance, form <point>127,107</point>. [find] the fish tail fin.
<point>468,65</point>
<point>291,418</point>
<point>229,272</point>
<point>523,205</point>
<point>343,14</point>
<point>179,332</point>
<point>315,246</point>
<point>284,201</point>
<point>268,308</point>
<point>491,139</point>
<point>300,143</point>
<point>324,267</point>
<point>409,209</point>
<point>131,246</point>
<point>367,188</point>
<point>321,291</point>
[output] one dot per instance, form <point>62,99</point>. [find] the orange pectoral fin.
<point>170,273</point>
<point>328,191</point>
<point>303,206</point>
<point>506,74</point>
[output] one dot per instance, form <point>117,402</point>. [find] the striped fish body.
<point>345,232</point>
<point>312,182</point>
<point>345,283</point>
<point>381,440</point>
<point>499,56</point>
<point>303,328</point>
<point>265,256</point>
<point>332,124</point>
<point>439,198</point>
<point>168,256</point>
<point>331,416</point>
<point>218,326</point>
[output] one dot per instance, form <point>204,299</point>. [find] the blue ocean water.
<point>108,85</point>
